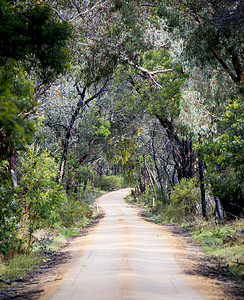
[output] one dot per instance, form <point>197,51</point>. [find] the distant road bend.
<point>123,257</point>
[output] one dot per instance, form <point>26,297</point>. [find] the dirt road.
<point>124,257</point>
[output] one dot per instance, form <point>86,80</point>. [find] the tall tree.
<point>31,39</point>
<point>212,32</point>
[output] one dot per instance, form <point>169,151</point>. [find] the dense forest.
<point>108,94</point>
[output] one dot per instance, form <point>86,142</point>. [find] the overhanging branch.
<point>146,72</point>
<point>81,104</point>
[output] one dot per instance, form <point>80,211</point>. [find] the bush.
<point>71,211</point>
<point>38,190</point>
<point>185,198</point>
<point>9,217</point>
<point>109,183</point>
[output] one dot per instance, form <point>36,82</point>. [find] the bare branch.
<point>58,14</point>
<point>224,64</point>
<point>146,4</point>
<point>97,5</point>
<point>148,73</point>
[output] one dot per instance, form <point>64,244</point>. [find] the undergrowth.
<point>18,265</point>
<point>47,242</point>
<point>222,241</point>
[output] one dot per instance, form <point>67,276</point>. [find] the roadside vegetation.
<point>44,241</point>
<point>99,95</point>
<point>221,240</point>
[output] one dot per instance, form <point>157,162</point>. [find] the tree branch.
<point>97,5</point>
<point>224,65</point>
<point>81,104</point>
<point>146,72</point>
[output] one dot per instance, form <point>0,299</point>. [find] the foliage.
<point>102,128</point>
<point>212,39</point>
<point>9,217</point>
<point>116,34</point>
<point>211,32</point>
<point>18,265</point>
<point>31,33</point>
<point>39,192</point>
<point>223,154</point>
<point>165,100</point>
<point>16,97</point>
<point>33,43</point>
<point>185,198</point>
<point>72,211</point>
<point>224,242</point>
<point>109,183</point>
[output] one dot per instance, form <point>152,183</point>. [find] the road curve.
<point>124,257</point>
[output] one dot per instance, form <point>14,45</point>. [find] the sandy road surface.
<point>124,257</point>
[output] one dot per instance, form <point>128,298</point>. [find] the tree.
<point>39,192</point>
<point>214,32</point>
<point>33,51</point>
<point>31,39</point>
<point>223,154</point>
<point>30,33</point>
<point>212,39</point>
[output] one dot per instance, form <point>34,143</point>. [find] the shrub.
<point>185,198</point>
<point>9,217</point>
<point>39,192</point>
<point>71,211</point>
<point>109,183</point>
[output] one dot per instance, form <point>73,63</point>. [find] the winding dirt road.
<point>123,257</point>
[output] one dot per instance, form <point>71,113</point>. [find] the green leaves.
<point>39,189</point>
<point>102,128</point>
<point>164,101</point>
<point>224,158</point>
<point>16,98</point>
<point>185,198</point>
<point>211,32</point>
<point>31,33</point>
<point>9,216</point>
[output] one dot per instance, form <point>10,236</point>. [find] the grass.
<point>219,240</point>
<point>224,242</point>
<point>17,266</point>
<point>48,242</point>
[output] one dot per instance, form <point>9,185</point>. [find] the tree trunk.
<point>80,105</point>
<point>201,179</point>
<point>182,151</point>
<point>156,165</point>
<point>202,187</point>
<point>151,181</point>
<point>219,208</point>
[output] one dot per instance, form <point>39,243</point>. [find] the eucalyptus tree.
<point>212,39</point>
<point>211,32</point>
<point>33,50</point>
<point>105,34</point>
<point>71,126</point>
<point>31,39</point>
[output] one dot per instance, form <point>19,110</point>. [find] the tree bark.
<point>219,208</point>
<point>182,152</point>
<point>151,181</point>
<point>156,165</point>
<point>202,187</point>
<point>201,179</point>
<point>79,106</point>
